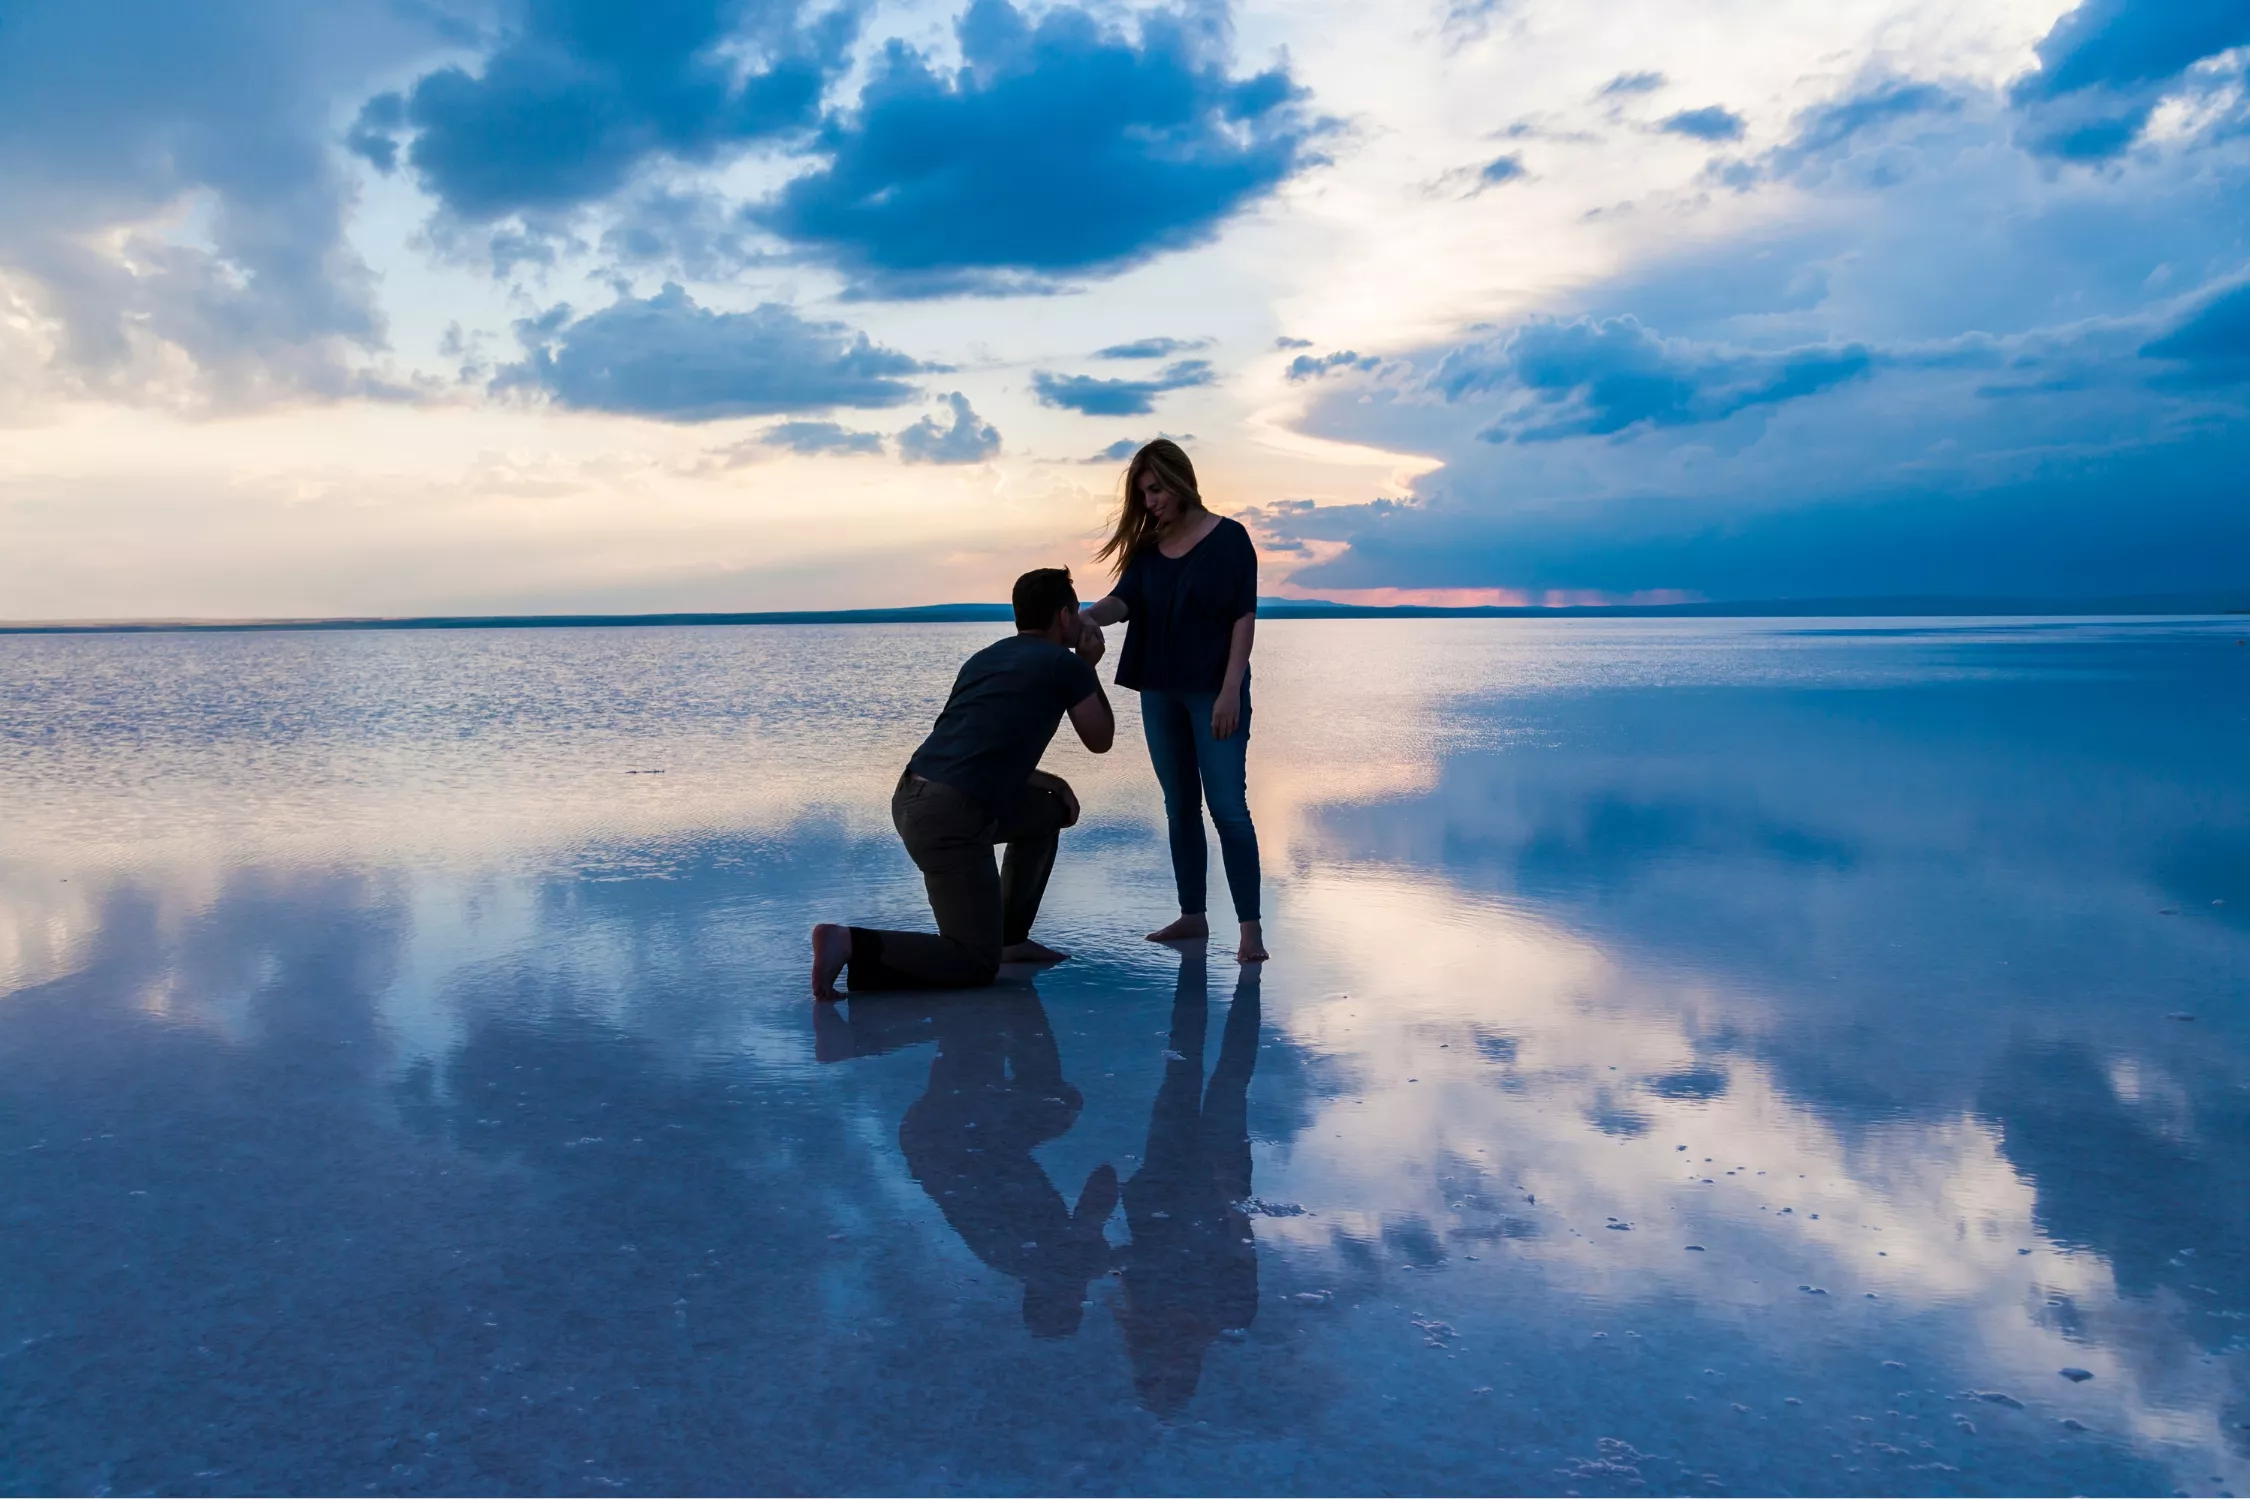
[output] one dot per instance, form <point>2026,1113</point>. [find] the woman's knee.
<point>1231,815</point>
<point>1184,806</point>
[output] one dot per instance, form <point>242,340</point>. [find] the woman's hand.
<point>1226,713</point>
<point>1091,645</point>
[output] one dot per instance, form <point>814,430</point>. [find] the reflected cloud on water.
<point>457,1121</point>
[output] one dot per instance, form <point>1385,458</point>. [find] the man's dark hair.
<point>1040,594</point>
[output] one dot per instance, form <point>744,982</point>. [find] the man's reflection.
<point>996,1091</point>
<point>1192,1268</point>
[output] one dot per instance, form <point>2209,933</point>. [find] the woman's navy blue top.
<point>1180,611</point>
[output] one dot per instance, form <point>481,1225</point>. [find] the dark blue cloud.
<point>2106,65</point>
<point>374,135</point>
<point>1118,398</point>
<point>1307,367</point>
<point>1501,169</point>
<point>1711,123</point>
<point>1058,147</point>
<point>1286,342</point>
<point>580,93</point>
<point>968,439</point>
<point>820,437</point>
<point>2107,43</point>
<point>2211,346</point>
<point>666,357</point>
<point>1599,379</point>
<point>2063,528</point>
<point>1155,348</point>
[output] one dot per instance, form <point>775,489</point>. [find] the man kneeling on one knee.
<point>976,783</point>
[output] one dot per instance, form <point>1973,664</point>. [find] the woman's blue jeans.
<point>1193,767</point>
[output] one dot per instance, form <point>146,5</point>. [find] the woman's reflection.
<point>996,1091</point>
<point>1192,1268</point>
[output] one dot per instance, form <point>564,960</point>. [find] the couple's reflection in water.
<point>996,1092</point>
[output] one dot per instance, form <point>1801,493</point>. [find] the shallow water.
<point>1702,1057</point>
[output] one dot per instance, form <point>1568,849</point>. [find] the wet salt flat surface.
<point>1700,1057</point>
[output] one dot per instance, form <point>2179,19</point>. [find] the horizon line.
<point>2199,603</point>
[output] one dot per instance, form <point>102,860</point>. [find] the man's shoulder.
<point>1019,653</point>
<point>1009,648</point>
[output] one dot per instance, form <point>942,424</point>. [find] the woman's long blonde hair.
<point>1136,528</point>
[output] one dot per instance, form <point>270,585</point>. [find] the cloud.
<point>1847,402</point>
<point>2105,66</point>
<point>1306,367</point>
<point>1711,123</point>
<point>1058,147</point>
<point>373,136</point>
<point>1501,169</point>
<point>1831,126</point>
<point>2211,346</point>
<point>2108,43</point>
<point>1118,398</point>
<point>1125,448</point>
<point>820,437</point>
<point>2059,529</point>
<point>1155,348</point>
<point>583,93</point>
<point>1286,342</point>
<point>968,440</point>
<point>692,232</point>
<point>1585,378</point>
<point>169,202</point>
<point>1825,134</point>
<point>667,357</point>
<point>1626,84</point>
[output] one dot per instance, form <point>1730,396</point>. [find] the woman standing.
<point>1187,588</point>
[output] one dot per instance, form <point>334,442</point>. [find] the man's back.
<point>1003,712</point>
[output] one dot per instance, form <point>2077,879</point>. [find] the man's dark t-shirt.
<point>1180,611</point>
<point>1005,706</point>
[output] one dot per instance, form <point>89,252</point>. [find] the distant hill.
<point>2223,602</point>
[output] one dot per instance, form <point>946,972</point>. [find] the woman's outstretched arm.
<point>1106,611</point>
<point>1226,713</point>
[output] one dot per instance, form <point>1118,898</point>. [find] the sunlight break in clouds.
<point>771,303</point>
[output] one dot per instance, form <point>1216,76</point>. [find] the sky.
<point>418,306</point>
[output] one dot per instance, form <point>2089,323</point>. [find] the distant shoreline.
<point>1887,607</point>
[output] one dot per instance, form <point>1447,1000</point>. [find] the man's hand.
<point>1091,645</point>
<point>1226,713</point>
<point>1048,781</point>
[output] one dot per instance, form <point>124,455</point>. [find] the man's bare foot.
<point>1253,949</point>
<point>1029,952</point>
<point>831,950</point>
<point>1186,930</point>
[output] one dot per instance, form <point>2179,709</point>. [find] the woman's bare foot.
<point>1253,949</point>
<point>1186,930</point>
<point>1029,952</point>
<point>831,950</point>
